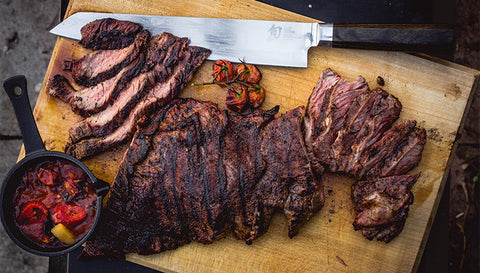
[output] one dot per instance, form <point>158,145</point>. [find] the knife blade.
<point>265,42</point>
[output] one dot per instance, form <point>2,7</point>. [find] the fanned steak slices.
<point>109,33</point>
<point>397,152</point>
<point>382,205</point>
<point>348,129</point>
<point>160,94</point>
<point>192,174</point>
<point>94,99</point>
<point>111,118</point>
<point>102,65</point>
<point>366,121</point>
<point>335,103</point>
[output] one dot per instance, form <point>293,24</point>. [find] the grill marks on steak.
<point>102,65</point>
<point>109,33</point>
<point>116,128</point>
<point>191,174</point>
<point>382,205</point>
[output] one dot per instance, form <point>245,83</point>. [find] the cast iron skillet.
<point>16,88</point>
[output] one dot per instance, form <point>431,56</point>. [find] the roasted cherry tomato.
<point>248,73</point>
<point>69,214</point>
<point>47,176</point>
<point>32,212</point>
<point>237,98</point>
<point>223,71</point>
<point>256,95</point>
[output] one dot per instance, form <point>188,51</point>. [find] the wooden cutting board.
<point>433,92</point>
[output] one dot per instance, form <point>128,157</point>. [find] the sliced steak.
<point>94,99</point>
<point>161,93</point>
<point>396,153</point>
<point>382,205</point>
<point>109,34</point>
<point>111,118</point>
<point>102,65</point>
<point>370,115</point>
<point>340,99</point>
<point>316,111</point>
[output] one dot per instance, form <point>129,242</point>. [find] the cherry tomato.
<point>237,98</point>
<point>256,95</point>
<point>32,212</point>
<point>69,214</point>
<point>248,73</point>
<point>223,71</point>
<point>47,176</point>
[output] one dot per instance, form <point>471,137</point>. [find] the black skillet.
<point>35,153</point>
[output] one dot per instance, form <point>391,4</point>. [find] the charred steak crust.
<point>109,34</point>
<point>192,173</point>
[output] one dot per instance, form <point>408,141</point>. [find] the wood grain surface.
<point>433,92</point>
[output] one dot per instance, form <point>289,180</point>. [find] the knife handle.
<point>401,37</point>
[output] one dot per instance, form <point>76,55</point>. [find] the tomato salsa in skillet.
<point>55,203</point>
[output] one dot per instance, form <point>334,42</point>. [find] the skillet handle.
<point>16,88</point>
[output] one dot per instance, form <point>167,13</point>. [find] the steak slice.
<point>244,166</point>
<point>382,205</point>
<point>109,33</point>
<point>288,182</point>
<point>340,99</point>
<point>315,113</point>
<point>159,95</point>
<point>94,99</point>
<point>102,65</point>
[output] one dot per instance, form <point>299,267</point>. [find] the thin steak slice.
<point>94,99</point>
<point>340,99</point>
<point>102,65</point>
<point>109,34</point>
<point>288,182</point>
<point>382,205</point>
<point>315,113</point>
<point>159,95</point>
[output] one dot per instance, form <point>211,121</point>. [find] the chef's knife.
<point>272,42</point>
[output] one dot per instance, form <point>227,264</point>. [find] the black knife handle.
<point>403,37</point>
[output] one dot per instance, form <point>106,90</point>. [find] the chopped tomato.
<point>69,214</point>
<point>33,212</point>
<point>47,177</point>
